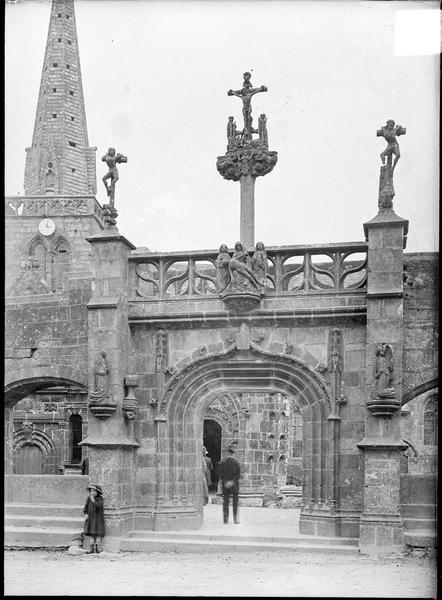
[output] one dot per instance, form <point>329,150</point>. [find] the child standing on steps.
<point>94,518</point>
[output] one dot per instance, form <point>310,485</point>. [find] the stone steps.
<point>420,538</point>
<point>41,525</point>
<point>38,537</point>
<point>44,522</point>
<point>181,541</point>
<point>53,510</point>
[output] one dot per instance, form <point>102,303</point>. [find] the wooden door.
<point>30,460</point>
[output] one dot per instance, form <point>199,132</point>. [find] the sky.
<point>155,80</point>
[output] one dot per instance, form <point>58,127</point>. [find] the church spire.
<point>60,160</point>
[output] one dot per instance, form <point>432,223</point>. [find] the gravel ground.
<point>55,573</point>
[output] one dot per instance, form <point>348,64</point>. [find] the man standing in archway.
<point>229,473</point>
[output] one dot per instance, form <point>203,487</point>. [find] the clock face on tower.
<point>46,227</point>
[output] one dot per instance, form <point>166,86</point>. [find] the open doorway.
<point>212,436</point>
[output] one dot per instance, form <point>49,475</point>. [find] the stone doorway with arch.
<point>239,375</point>
<point>36,426</point>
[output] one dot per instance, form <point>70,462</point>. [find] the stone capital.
<point>251,159</point>
<point>387,219</point>
<point>110,236</point>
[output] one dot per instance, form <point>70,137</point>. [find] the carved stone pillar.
<point>110,439</point>
<point>380,526</point>
<point>247,223</point>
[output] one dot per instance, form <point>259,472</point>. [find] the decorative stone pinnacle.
<point>386,188</point>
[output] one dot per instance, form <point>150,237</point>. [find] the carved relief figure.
<point>50,178</point>
<point>232,133</point>
<point>222,268</point>
<point>335,360</point>
<point>383,369</point>
<point>259,263</point>
<point>100,391</point>
<point>111,159</point>
<point>389,133</point>
<point>161,352</point>
<point>262,129</point>
<point>240,268</point>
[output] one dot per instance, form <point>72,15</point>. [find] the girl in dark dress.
<point>94,518</point>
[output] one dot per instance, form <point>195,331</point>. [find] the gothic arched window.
<point>38,251</point>
<point>60,264</point>
<point>430,423</point>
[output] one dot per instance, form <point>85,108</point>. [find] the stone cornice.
<point>259,317</point>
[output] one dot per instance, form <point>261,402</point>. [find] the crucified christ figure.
<point>389,133</point>
<point>246,93</point>
<point>111,159</point>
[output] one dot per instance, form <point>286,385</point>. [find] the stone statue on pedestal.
<point>100,391</point>
<point>383,370</point>
<point>241,279</point>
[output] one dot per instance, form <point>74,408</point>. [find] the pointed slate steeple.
<point>60,160</point>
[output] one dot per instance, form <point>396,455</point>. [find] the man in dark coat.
<point>229,473</point>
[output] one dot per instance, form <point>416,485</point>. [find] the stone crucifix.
<point>386,187</point>
<point>389,133</point>
<point>247,158</point>
<point>246,93</point>
<point>111,159</point>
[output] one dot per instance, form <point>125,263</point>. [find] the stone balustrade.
<point>314,269</point>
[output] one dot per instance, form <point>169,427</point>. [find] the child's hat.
<point>93,486</point>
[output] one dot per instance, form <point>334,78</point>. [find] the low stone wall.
<point>46,489</point>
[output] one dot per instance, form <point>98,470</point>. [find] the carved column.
<point>110,438</point>
<point>247,228</point>
<point>380,526</point>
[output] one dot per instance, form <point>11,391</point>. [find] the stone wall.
<point>421,318</point>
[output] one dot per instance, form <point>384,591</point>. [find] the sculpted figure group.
<point>240,272</point>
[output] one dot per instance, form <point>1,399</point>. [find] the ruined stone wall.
<point>47,330</point>
<point>266,436</point>
<point>420,429</point>
<point>421,308</point>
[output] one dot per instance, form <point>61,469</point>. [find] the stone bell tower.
<point>60,160</point>
<point>46,229</point>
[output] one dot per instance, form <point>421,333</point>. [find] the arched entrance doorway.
<point>235,372</point>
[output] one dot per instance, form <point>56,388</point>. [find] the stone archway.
<point>27,380</point>
<point>22,382</point>
<point>180,414</point>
